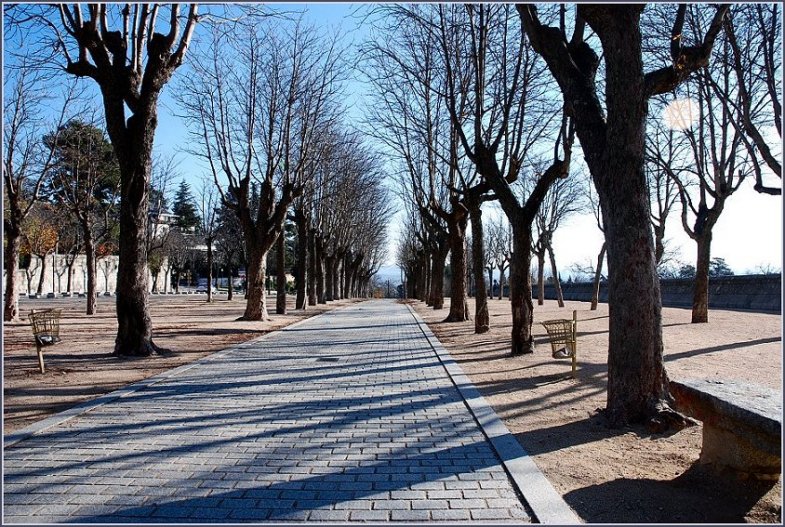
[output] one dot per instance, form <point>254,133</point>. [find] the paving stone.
<point>355,505</point>
<point>329,515</point>
<point>408,495</point>
<point>400,516</point>
<point>250,514</point>
<point>266,431</point>
<point>173,511</point>
<point>288,515</point>
<point>430,504</point>
<point>467,504</point>
<point>451,515</point>
<point>212,513</point>
<point>363,515</point>
<point>490,514</point>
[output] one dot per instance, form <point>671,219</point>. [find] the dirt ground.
<point>83,367</point>
<point>623,475</point>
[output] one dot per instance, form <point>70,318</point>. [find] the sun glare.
<point>680,114</point>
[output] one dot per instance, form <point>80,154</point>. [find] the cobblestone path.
<point>346,416</point>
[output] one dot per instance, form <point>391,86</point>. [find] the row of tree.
<point>484,102</point>
<point>262,101</point>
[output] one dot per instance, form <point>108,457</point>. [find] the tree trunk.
<point>540,278</point>
<point>482,319</point>
<point>438,263</point>
<point>132,141</point>
<point>41,277</point>
<point>312,263</point>
<point>337,261</point>
<point>69,282</point>
<point>302,261</point>
<point>230,285</point>
<point>209,269</point>
<point>637,381</point>
<point>595,297</point>
<point>422,278</point>
<point>321,286</point>
<point>92,274</point>
<point>501,281</point>
<point>521,289</point>
<point>700,294</point>
<point>490,281</point>
<point>430,283</point>
<point>11,301</point>
<point>106,276</point>
<point>659,241</point>
<point>637,378</point>
<point>30,275</point>
<point>436,295</point>
<point>556,281</point>
<point>256,304</point>
<point>435,290</point>
<point>355,283</point>
<point>459,307</point>
<point>345,278</point>
<point>329,268</point>
<point>280,279</point>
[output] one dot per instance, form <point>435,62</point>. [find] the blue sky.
<point>172,133</point>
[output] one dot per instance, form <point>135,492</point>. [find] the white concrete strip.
<point>545,502</point>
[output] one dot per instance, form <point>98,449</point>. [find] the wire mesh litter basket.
<point>562,336</point>
<point>46,330</point>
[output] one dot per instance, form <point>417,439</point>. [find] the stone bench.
<point>742,424</point>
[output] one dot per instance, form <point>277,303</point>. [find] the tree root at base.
<point>658,419</point>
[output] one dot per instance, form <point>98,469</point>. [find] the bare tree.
<point>103,255</point>
<point>130,65</point>
<point>754,34</point>
<point>562,200</point>
<point>411,255</point>
<point>70,246</point>
<point>499,250</point>
<point>229,244</point>
<point>613,142</point>
<point>41,237</point>
<point>177,249</point>
<point>33,265</point>
<point>208,210</point>
<point>164,173</point>
<point>352,217</point>
<point>714,166</point>
<point>496,126</point>
<point>593,203</point>
<point>414,82</point>
<point>409,120</point>
<point>255,104</point>
<point>661,150</point>
<point>26,163</point>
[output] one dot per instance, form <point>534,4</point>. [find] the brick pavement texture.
<point>348,416</point>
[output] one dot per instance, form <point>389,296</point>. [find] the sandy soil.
<point>621,475</point>
<point>83,367</point>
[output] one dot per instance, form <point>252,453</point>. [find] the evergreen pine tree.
<point>184,208</point>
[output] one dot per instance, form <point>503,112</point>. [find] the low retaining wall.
<point>752,292</point>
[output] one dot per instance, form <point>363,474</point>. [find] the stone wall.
<point>106,276</point>
<point>752,292</point>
